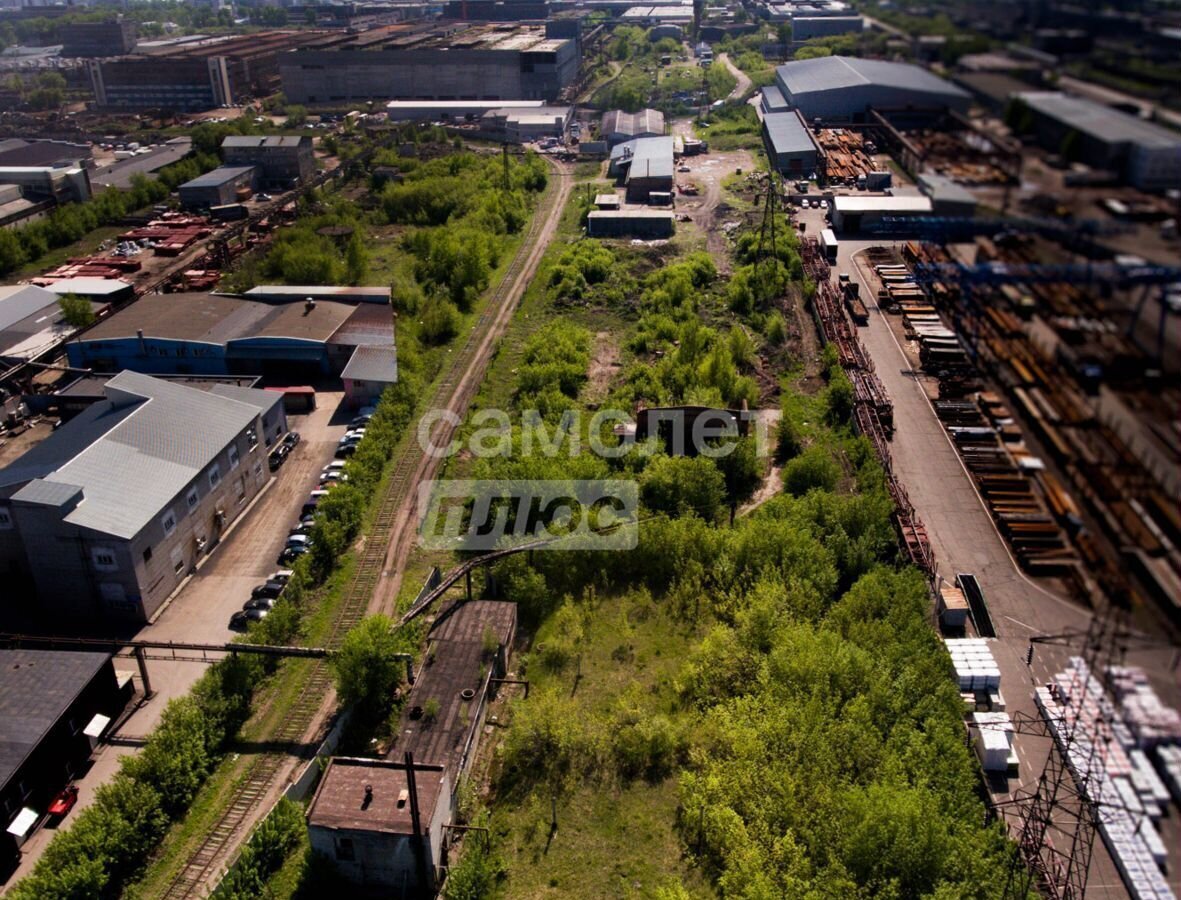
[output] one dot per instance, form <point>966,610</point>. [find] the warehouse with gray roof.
<point>104,518</point>
<point>645,166</point>
<point>618,126</point>
<point>789,143</point>
<point>1145,155</point>
<point>844,89</point>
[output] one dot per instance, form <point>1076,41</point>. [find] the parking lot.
<point>200,611</point>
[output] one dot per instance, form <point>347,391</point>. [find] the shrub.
<point>814,468</point>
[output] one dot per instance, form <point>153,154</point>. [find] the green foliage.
<point>275,837</point>
<point>439,323</point>
<point>838,399</point>
<point>478,871</point>
<point>719,81</point>
<point>76,310</point>
<point>368,668</point>
<point>813,469</point>
<point>684,485</point>
<point>553,368</point>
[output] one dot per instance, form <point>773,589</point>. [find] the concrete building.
<point>618,126</point>
<point>859,212</point>
<point>31,321</point>
<point>89,39</point>
<point>1145,155</point>
<point>378,828</point>
<point>497,10</point>
<point>633,223</point>
<point>843,89</point>
<point>196,72</point>
<point>54,706</point>
<point>790,145</point>
<point>293,342</point>
<point>20,153</point>
<point>453,110</point>
<point>282,160</point>
<point>644,166</point>
<point>771,99</point>
<point>434,62</point>
<point>218,187</point>
<point>104,518</point>
<point>804,28</point>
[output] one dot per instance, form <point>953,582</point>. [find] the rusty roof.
<point>340,803</point>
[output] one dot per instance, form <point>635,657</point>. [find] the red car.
<point>64,801</point>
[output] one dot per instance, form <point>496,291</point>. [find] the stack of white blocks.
<point>975,666</point>
<point>1115,772</point>
<point>992,735</point>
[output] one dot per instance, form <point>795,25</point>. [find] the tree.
<point>356,259</point>
<point>368,666</point>
<point>814,468</point>
<point>684,485</point>
<point>76,310</point>
<point>297,115</point>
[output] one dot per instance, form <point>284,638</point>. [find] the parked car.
<point>240,620</point>
<point>344,451</point>
<point>360,421</point>
<point>300,529</point>
<point>290,439</point>
<point>334,477</point>
<point>267,603</point>
<point>63,802</point>
<point>270,589</point>
<point>282,576</point>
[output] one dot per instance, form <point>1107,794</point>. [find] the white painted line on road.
<point>1022,624</point>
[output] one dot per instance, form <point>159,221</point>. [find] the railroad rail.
<point>453,391</point>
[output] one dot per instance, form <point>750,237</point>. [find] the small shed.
<point>369,371</point>
<point>637,223</point>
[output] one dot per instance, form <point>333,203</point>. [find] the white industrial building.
<point>839,88</point>
<point>854,213</point>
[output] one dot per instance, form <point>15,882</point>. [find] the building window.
<point>178,560</point>
<point>241,489</point>
<point>168,521</point>
<point>234,458</point>
<point>251,438</point>
<point>147,554</point>
<point>192,498</point>
<point>214,476</point>
<point>104,559</point>
<point>344,849</point>
<point>5,518</point>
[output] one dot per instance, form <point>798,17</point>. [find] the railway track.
<point>388,540</point>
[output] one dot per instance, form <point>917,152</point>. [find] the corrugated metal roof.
<point>808,76</point>
<point>882,205</point>
<point>219,176</point>
<point>1099,121</point>
<point>645,122</point>
<point>651,157</point>
<point>270,140</point>
<point>21,300</point>
<point>942,189</point>
<point>787,133</point>
<point>370,363</point>
<point>773,98</point>
<point>135,452</point>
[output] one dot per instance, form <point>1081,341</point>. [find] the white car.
<point>823,204</point>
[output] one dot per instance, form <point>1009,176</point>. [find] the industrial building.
<point>54,707</point>
<point>31,321</point>
<point>197,72</point>
<point>107,516</point>
<point>434,62</point>
<point>453,110</point>
<point>658,15</point>
<point>299,341</point>
<point>856,213</point>
<point>844,89</point>
<point>804,28</point>
<point>618,126</point>
<point>382,822</point>
<point>644,166</point>
<point>790,145</point>
<point>519,125</point>
<point>497,10</point>
<point>369,371</point>
<point>20,153</point>
<point>947,197</point>
<point>90,39</point>
<point>219,187</point>
<point>57,183</point>
<point>282,160</point>
<point>1144,155</point>
<point>771,100</point>
<point>633,223</point>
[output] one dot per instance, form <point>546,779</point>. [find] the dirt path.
<point>707,173</point>
<point>458,388</point>
<point>604,365</point>
<point>744,83</point>
<point>772,486</point>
